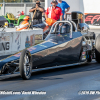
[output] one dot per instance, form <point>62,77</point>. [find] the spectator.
<point>22,13</point>
<point>63,5</point>
<point>54,12</point>
<point>37,12</point>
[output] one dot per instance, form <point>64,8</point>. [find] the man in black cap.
<point>37,13</point>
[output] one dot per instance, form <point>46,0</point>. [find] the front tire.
<point>97,49</point>
<point>25,64</point>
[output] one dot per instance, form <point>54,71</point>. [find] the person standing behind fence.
<point>54,12</point>
<point>37,13</point>
<point>63,5</point>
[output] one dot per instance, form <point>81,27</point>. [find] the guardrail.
<point>15,41</point>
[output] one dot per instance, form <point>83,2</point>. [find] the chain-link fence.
<point>15,7</point>
<point>18,1</point>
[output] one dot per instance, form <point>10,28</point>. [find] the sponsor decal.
<point>68,16</point>
<point>92,19</point>
<point>4,46</point>
<point>18,41</point>
<point>27,43</point>
<point>4,43</point>
<point>17,55</point>
<point>16,38</point>
<point>83,53</point>
<point>66,35</point>
<point>42,45</point>
<point>4,38</point>
<point>38,38</point>
<point>30,41</point>
<point>31,49</point>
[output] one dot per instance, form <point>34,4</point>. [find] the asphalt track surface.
<point>67,83</point>
<point>59,84</point>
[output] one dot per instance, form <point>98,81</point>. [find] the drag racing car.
<point>68,43</point>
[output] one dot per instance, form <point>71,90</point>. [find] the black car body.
<point>65,45</point>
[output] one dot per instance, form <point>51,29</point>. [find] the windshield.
<point>58,38</point>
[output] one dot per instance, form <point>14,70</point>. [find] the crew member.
<point>37,13</point>
<point>54,12</point>
<point>63,5</point>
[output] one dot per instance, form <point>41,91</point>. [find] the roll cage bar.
<point>71,23</point>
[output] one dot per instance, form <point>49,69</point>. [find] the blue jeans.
<point>63,17</point>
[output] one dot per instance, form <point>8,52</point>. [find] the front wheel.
<point>25,64</point>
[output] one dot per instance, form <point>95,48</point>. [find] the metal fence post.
<point>25,10</point>
<point>3,8</point>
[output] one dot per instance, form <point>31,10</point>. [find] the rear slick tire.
<point>97,49</point>
<point>25,64</point>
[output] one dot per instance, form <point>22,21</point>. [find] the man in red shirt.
<point>54,12</point>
